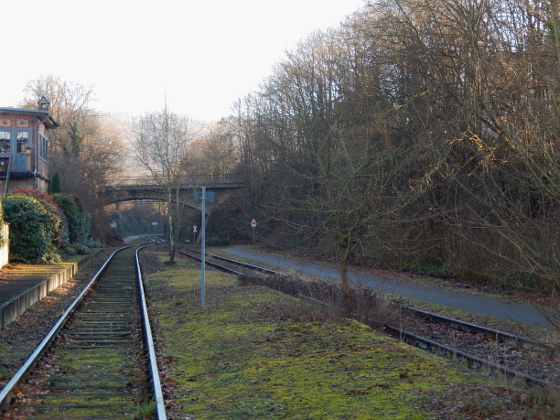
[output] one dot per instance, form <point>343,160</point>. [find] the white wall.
<point>4,245</point>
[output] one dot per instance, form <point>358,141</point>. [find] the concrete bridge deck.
<point>145,188</point>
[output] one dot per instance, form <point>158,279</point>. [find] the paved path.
<point>522,313</point>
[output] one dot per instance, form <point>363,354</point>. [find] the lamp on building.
<point>44,104</point>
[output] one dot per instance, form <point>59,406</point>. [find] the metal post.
<point>202,245</point>
<point>154,224</point>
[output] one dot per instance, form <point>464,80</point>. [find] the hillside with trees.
<point>418,135</point>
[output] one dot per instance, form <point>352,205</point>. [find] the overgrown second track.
<point>475,345</point>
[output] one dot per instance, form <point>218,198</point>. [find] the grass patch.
<point>254,353</point>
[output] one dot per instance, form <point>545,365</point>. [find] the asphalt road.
<point>517,312</point>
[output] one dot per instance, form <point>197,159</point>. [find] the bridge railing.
<point>194,179</point>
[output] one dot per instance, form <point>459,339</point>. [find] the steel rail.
<point>242,264</point>
<point>156,383</point>
<point>441,349</point>
<point>251,266</point>
<point>211,264</point>
<point>473,328</point>
<point>40,349</point>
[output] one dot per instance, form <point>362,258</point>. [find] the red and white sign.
<point>253,223</point>
<point>195,228</point>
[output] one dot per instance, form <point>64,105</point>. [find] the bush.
<point>79,220</point>
<point>81,249</point>
<point>76,249</point>
<point>59,220</point>
<point>70,250</point>
<point>31,230</point>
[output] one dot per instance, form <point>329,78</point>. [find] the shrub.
<point>59,220</point>
<point>81,249</point>
<point>31,230</point>
<point>70,250</point>
<point>76,249</point>
<point>54,185</point>
<point>79,220</point>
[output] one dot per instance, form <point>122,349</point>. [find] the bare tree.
<point>430,124</point>
<point>86,151</point>
<point>215,152</point>
<point>162,141</point>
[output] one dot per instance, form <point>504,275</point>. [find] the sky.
<point>197,57</point>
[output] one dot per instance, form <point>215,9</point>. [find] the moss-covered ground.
<point>254,353</point>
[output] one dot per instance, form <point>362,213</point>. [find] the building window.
<point>43,148</point>
<point>5,138</point>
<point>22,138</point>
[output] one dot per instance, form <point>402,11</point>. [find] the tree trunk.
<point>345,285</point>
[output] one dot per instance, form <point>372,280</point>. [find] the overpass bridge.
<point>144,188</point>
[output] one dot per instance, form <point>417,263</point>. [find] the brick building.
<point>24,147</point>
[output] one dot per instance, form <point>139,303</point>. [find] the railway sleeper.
<point>74,346</point>
<point>77,412</point>
<point>99,383</point>
<point>66,416</point>
<point>98,341</point>
<point>106,333</point>
<point>99,393</point>
<point>98,331</point>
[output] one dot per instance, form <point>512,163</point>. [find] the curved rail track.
<point>477,346</point>
<point>98,361</point>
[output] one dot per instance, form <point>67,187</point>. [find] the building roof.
<point>44,116</point>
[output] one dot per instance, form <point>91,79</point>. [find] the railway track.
<point>98,361</point>
<point>477,346</point>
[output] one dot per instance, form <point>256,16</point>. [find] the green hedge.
<point>59,221</point>
<point>32,230</point>
<point>79,220</point>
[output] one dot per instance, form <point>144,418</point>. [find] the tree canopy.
<point>415,131</point>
